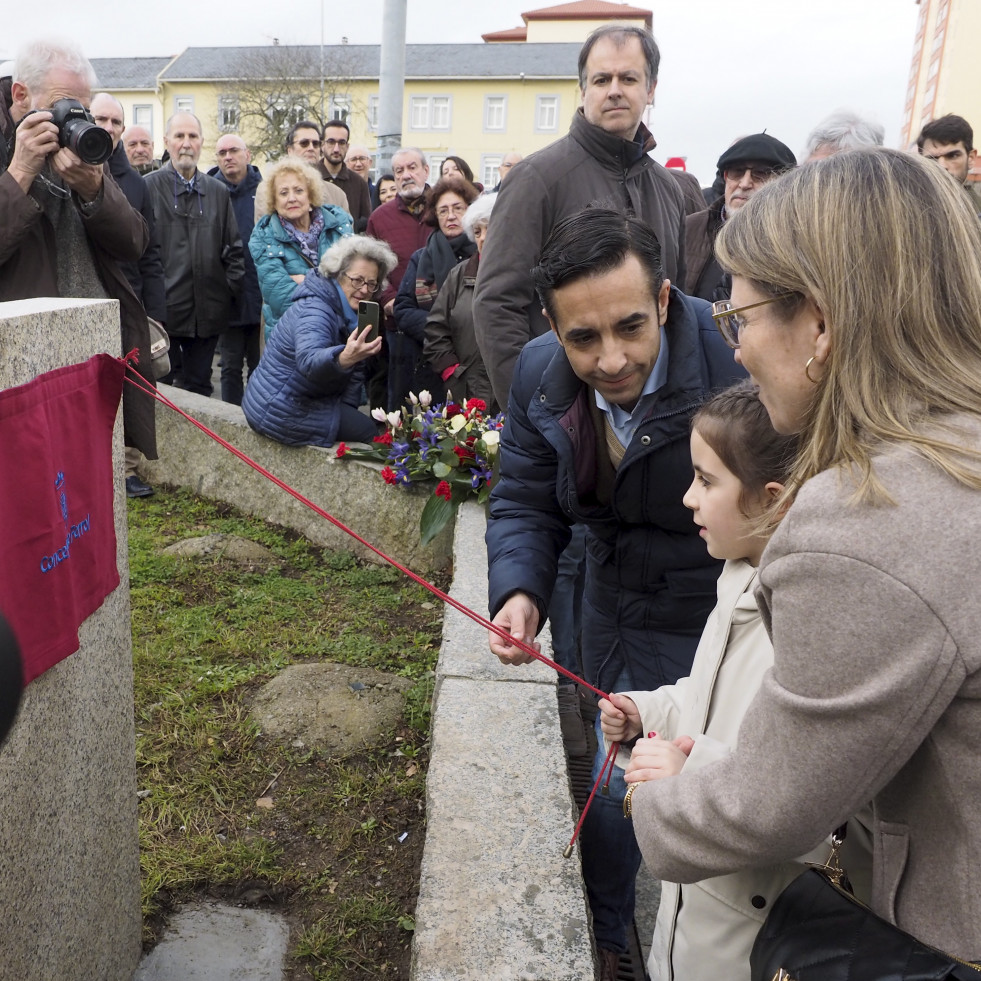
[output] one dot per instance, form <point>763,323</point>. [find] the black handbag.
<point>818,931</point>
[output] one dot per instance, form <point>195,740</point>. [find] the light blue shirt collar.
<point>625,423</point>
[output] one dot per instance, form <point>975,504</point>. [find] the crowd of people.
<point>774,584</point>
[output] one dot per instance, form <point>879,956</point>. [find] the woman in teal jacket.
<point>295,230</point>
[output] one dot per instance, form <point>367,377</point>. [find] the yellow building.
<point>944,73</point>
<point>476,101</point>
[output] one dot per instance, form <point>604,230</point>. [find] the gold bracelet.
<point>626,800</point>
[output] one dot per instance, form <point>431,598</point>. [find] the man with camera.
<point>64,223</point>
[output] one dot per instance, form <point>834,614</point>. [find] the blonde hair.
<point>265,194</point>
<point>889,249</point>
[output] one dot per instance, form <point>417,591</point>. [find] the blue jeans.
<point>610,854</point>
<point>565,605</point>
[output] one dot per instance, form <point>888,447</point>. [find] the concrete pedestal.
<point>69,862</point>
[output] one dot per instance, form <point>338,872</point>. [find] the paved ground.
<point>213,942</point>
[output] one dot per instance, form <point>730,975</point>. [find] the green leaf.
<point>441,470</point>
<point>435,515</point>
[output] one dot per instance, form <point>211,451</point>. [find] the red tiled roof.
<point>589,10</point>
<point>511,34</point>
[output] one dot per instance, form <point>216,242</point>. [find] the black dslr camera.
<point>76,131</point>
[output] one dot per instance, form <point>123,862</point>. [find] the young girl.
<point>705,931</point>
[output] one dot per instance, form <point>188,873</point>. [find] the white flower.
<point>394,419</point>
<point>492,439</point>
<point>457,423</point>
<point>378,414</point>
<point>425,399</point>
<point>413,399</point>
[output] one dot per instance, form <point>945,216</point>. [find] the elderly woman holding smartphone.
<point>856,307</point>
<point>307,387</point>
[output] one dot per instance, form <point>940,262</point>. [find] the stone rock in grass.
<point>227,548</point>
<point>331,707</point>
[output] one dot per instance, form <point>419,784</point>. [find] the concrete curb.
<point>497,900</point>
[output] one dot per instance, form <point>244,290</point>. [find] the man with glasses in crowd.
<point>358,160</point>
<point>746,166</point>
<point>304,141</point>
<point>337,135</point>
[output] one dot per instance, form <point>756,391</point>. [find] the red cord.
<point>145,386</point>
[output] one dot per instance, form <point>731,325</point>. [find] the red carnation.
<point>452,410</point>
<point>463,453</point>
<point>444,490</point>
<point>479,404</point>
<point>388,475</point>
<point>341,449</point>
<point>385,438</point>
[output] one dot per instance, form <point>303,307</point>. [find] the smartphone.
<point>369,315</point>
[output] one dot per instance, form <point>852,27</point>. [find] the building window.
<point>373,112</point>
<point>143,116</point>
<point>183,103</point>
<point>441,112</point>
<point>546,113</point>
<point>228,112</point>
<point>495,113</point>
<point>435,163</point>
<point>490,174</point>
<point>430,112</point>
<point>340,107</point>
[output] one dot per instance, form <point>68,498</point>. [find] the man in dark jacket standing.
<point>65,226</point>
<point>603,162</point>
<point>399,224</point>
<point>202,254</point>
<point>597,434</point>
<point>334,170</point>
<point>239,345</point>
<point>146,274</point>
<point>745,167</point>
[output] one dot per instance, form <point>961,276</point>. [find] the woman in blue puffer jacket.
<point>295,230</point>
<point>306,388</point>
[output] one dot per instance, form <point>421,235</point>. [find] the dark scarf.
<point>439,256</point>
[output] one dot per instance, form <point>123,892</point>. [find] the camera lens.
<point>90,144</point>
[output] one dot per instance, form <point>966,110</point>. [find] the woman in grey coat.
<point>856,307</point>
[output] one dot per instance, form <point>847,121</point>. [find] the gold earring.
<point>807,370</point>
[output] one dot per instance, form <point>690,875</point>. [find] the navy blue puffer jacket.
<point>295,392</point>
<point>647,570</point>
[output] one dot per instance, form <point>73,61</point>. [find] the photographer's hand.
<point>84,179</point>
<point>37,139</point>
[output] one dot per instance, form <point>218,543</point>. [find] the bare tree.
<point>282,84</point>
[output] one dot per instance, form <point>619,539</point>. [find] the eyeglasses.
<point>358,282</point>
<point>453,209</point>
<point>728,320</point>
<point>304,143</point>
<point>359,159</point>
<point>336,142</point>
<point>758,174</point>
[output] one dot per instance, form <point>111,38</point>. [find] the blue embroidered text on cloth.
<point>57,536</point>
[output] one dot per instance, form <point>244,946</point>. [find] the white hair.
<point>344,251</point>
<point>478,214</point>
<point>37,58</point>
<point>844,130</point>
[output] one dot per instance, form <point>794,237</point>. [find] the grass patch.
<point>206,635</point>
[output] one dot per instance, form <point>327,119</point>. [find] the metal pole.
<point>391,83</point>
<point>321,63</point>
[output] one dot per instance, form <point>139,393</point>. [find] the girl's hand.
<point>654,759</point>
<point>620,719</point>
<point>358,347</point>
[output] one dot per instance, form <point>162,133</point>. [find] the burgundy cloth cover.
<point>57,533</point>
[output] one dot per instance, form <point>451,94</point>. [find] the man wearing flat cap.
<point>746,166</point>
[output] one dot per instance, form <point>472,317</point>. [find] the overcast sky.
<point>727,68</point>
